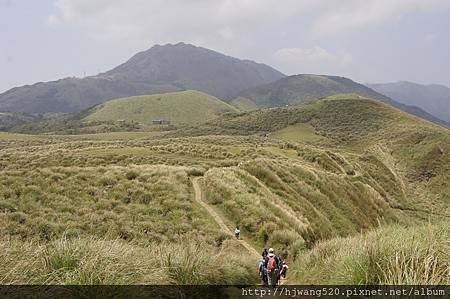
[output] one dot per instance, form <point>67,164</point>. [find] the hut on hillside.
<point>161,122</point>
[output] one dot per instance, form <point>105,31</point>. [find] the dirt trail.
<point>218,219</point>
<point>221,223</point>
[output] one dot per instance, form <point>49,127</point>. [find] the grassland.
<point>60,223</point>
<point>179,107</point>
<point>297,133</point>
<point>391,255</point>
<point>309,181</point>
<point>243,104</point>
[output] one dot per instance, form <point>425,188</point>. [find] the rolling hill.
<point>355,160</point>
<point>432,98</point>
<point>298,89</point>
<point>157,70</point>
<point>377,132</point>
<point>178,107</point>
<point>307,180</point>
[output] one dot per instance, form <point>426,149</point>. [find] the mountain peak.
<point>171,45</point>
<point>187,66</point>
<point>162,68</point>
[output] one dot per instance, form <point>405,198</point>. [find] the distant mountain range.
<point>157,70</point>
<point>171,68</point>
<point>298,89</point>
<point>432,98</point>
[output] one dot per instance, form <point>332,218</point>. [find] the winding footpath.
<point>221,223</point>
<point>218,219</point>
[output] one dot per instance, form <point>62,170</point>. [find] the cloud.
<point>310,60</point>
<point>430,37</point>
<point>218,23</point>
<point>5,3</point>
<point>158,21</point>
<point>356,15</point>
<point>252,29</point>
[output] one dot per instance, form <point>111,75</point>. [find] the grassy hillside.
<point>302,179</point>
<point>390,255</point>
<point>68,216</point>
<point>98,261</point>
<point>179,107</point>
<point>243,104</point>
<point>298,89</point>
<point>330,168</point>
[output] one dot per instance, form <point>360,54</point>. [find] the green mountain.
<point>432,98</point>
<point>298,89</point>
<point>178,107</point>
<point>160,69</point>
<point>9,120</point>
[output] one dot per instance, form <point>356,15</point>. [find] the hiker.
<point>262,272</point>
<point>284,269</point>
<point>271,263</point>
<point>237,232</point>
<point>264,253</point>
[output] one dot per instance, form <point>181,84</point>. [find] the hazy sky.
<point>366,40</point>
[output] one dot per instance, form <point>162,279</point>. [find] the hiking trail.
<point>218,219</point>
<point>221,223</point>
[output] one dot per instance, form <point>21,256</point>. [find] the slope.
<point>160,69</point>
<point>120,199</point>
<point>393,255</point>
<point>179,107</point>
<point>432,98</point>
<point>368,164</point>
<point>298,89</point>
<point>189,67</point>
<point>9,120</point>
<point>218,219</point>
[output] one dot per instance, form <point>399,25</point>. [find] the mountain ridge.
<point>301,88</point>
<point>159,69</point>
<point>177,67</point>
<point>433,98</point>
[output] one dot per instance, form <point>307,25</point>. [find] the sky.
<point>370,41</point>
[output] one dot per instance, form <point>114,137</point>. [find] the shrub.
<point>107,181</point>
<point>131,174</point>
<point>45,230</point>
<point>263,235</point>
<point>195,172</point>
<point>65,256</point>
<point>6,206</point>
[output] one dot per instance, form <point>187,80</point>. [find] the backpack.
<point>260,267</point>
<point>272,263</point>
